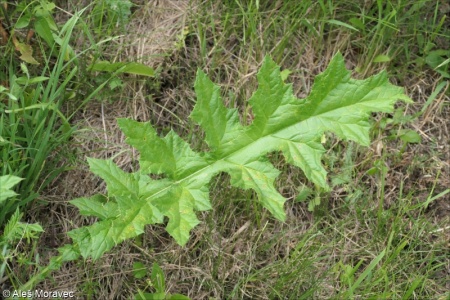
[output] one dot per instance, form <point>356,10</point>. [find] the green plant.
<point>282,122</point>
<point>155,281</point>
<point>34,17</point>
<point>14,230</point>
<point>438,60</point>
<point>108,14</point>
<point>430,53</point>
<point>32,126</point>
<point>110,71</point>
<point>6,184</point>
<point>348,274</point>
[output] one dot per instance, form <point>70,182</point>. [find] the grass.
<point>381,233</point>
<point>32,125</point>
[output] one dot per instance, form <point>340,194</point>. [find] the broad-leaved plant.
<point>282,122</point>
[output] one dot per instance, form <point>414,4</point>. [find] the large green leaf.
<point>282,122</point>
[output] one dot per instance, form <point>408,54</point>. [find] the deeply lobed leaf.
<point>282,122</point>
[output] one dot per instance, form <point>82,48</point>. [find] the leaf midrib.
<point>290,124</point>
